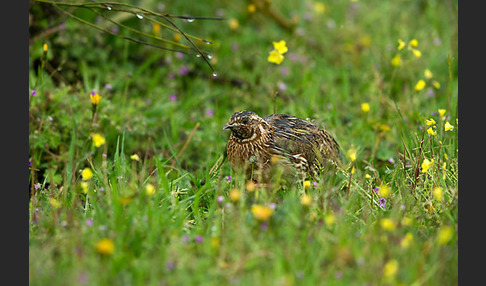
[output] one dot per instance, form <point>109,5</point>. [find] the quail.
<point>256,144</point>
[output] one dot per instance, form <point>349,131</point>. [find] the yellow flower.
<point>280,47</point>
<point>448,126</point>
<point>250,186</point>
<point>435,84</point>
<point>329,219</point>
<point>306,200</point>
<point>388,224</point>
<point>251,8</point>
<point>234,195</point>
<point>401,45</point>
<point>149,189</point>
<point>430,121</point>
<point>307,184</point>
<point>84,187</point>
<point>431,131</point>
<point>368,176</point>
<point>45,48</point>
<point>95,98</point>
<point>319,7</point>
<point>428,74</point>
<point>352,170</point>
<point>413,43</point>
<point>442,112</point>
<point>416,53</point>
<point>426,164</point>
<point>366,40</point>
<point>105,246</point>
<point>261,212</point>
<point>406,221</point>
<point>275,57</point>
<point>420,85</point>
<point>351,153</point>
<point>384,190</point>
<point>98,139</point>
<point>390,269</point>
<point>156,28</point>
<point>444,235</point>
<point>234,24</point>
<point>177,37</point>
<point>365,107</point>
<point>135,157</point>
<point>437,192</point>
<point>396,61</point>
<point>86,174</point>
<point>406,240</point>
<point>54,203</point>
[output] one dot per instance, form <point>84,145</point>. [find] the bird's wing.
<point>295,136</point>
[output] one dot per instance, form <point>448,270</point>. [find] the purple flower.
<point>108,87</point>
<point>199,239</point>
<point>172,97</point>
<point>82,278</point>
<point>179,55</point>
<point>315,184</point>
<point>171,76</point>
<point>264,226</point>
<point>272,206</point>
<point>282,86</point>
<point>185,238</point>
<point>284,70</point>
<point>183,70</point>
<point>228,178</point>
<point>170,265</point>
<point>220,199</point>
<point>37,186</point>
<point>403,207</point>
<point>210,112</point>
<point>89,222</point>
<point>30,164</point>
<point>50,118</point>
<point>114,29</point>
<point>382,202</point>
<point>377,190</point>
<point>391,160</point>
<point>34,92</point>
<point>104,155</point>
<point>63,223</point>
<point>293,57</point>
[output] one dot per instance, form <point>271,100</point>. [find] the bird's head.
<point>246,126</point>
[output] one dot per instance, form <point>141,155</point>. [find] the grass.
<point>382,219</point>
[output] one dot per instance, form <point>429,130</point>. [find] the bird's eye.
<point>244,121</point>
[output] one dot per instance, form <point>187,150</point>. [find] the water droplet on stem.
<point>190,20</point>
<point>139,16</point>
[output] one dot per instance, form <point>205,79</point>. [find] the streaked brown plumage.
<point>256,143</point>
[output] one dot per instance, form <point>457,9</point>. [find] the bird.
<point>257,144</point>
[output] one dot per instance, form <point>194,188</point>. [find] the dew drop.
<point>198,55</point>
<point>190,20</point>
<point>210,56</point>
<point>139,16</point>
<point>207,42</point>
<point>215,74</point>
<point>108,7</point>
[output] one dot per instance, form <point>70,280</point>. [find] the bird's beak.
<point>228,126</point>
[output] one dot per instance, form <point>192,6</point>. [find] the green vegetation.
<point>125,189</point>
